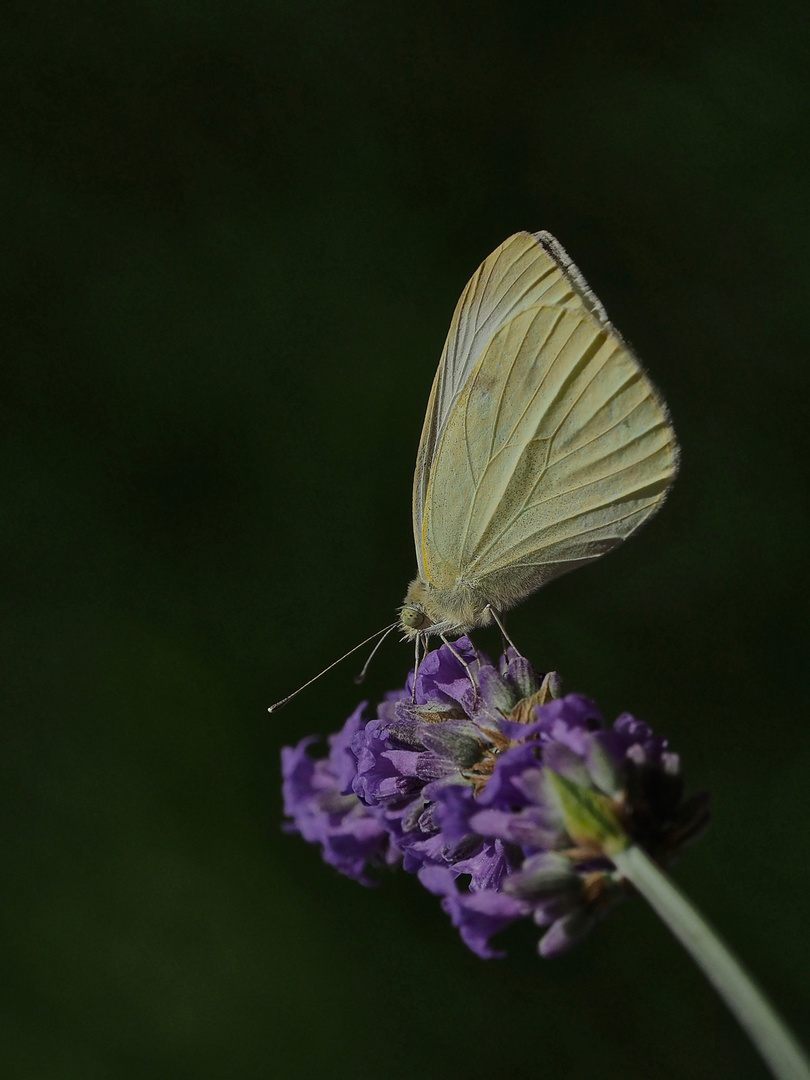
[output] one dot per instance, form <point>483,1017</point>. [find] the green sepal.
<point>590,818</point>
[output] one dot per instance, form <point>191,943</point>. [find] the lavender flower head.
<point>505,798</point>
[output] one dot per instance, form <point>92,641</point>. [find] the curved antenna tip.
<point>384,632</point>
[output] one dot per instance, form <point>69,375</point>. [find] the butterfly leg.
<point>506,639</point>
<point>417,659</point>
<point>465,665</point>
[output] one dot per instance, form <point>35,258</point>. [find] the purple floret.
<point>324,810</point>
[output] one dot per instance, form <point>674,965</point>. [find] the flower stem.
<point>775,1042</point>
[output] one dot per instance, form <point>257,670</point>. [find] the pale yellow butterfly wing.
<point>524,271</point>
<point>556,449</point>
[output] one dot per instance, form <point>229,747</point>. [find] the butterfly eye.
<point>414,617</point>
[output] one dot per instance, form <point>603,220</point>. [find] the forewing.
<point>558,447</point>
<point>526,270</point>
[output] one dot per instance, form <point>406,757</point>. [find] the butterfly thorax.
<point>430,610</point>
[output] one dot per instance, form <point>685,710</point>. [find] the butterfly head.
<point>414,619</point>
<point>430,610</point>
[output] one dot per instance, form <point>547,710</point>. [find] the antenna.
<point>380,634</point>
<point>384,634</point>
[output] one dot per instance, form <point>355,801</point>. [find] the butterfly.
<point>544,446</point>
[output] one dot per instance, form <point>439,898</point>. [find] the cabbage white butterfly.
<point>544,445</point>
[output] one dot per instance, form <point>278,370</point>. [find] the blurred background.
<point>234,234</point>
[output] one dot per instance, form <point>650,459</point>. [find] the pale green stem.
<point>775,1042</point>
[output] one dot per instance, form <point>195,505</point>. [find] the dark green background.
<point>234,235</point>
